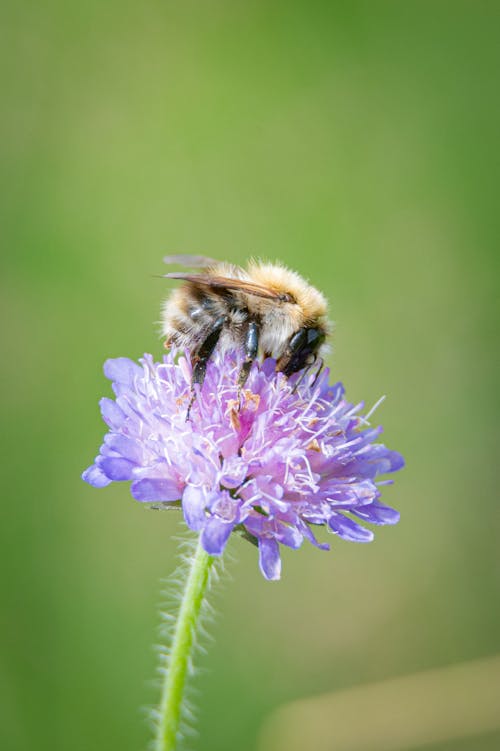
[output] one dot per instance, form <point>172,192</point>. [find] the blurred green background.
<point>358,143</point>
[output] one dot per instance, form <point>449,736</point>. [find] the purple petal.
<point>233,472</point>
<point>378,460</point>
<point>122,370</point>
<point>268,367</point>
<point>111,413</point>
<point>290,536</point>
<point>148,490</point>
<point>254,523</point>
<point>224,506</point>
<point>396,461</point>
<point>345,494</point>
<point>96,477</point>
<point>269,558</point>
<point>307,532</point>
<point>116,468</point>
<point>349,530</point>
<point>215,535</point>
<point>377,513</point>
<point>194,501</point>
<point>124,446</point>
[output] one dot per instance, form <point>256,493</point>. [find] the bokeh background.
<point>358,143</point>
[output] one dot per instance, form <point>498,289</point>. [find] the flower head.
<point>271,462</point>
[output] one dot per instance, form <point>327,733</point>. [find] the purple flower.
<point>271,464</point>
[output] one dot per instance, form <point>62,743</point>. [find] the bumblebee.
<point>265,309</point>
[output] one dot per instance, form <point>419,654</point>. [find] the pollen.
<point>233,412</point>
<point>252,400</point>
<point>314,446</point>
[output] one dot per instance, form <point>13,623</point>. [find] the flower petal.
<point>307,532</point>
<point>111,413</point>
<point>269,558</point>
<point>124,446</point>
<point>122,370</point>
<point>396,461</point>
<point>349,530</point>
<point>233,472</point>
<point>116,468</point>
<point>289,536</point>
<point>148,490</point>
<point>215,535</point>
<point>377,513</point>
<point>96,477</point>
<point>194,501</point>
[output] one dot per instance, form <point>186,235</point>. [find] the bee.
<point>265,309</point>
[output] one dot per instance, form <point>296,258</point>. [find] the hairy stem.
<point>170,708</point>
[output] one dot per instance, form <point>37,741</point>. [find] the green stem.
<point>182,645</point>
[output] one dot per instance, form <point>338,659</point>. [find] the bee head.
<point>302,350</point>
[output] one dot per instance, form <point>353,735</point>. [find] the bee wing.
<point>190,261</point>
<point>223,282</point>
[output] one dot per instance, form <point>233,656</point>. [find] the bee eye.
<point>314,337</point>
<point>302,350</point>
<point>298,341</point>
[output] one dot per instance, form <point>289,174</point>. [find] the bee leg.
<point>251,346</point>
<point>306,371</point>
<point>318,371</point>
<point>300,378</point>
<point>201,357</point>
